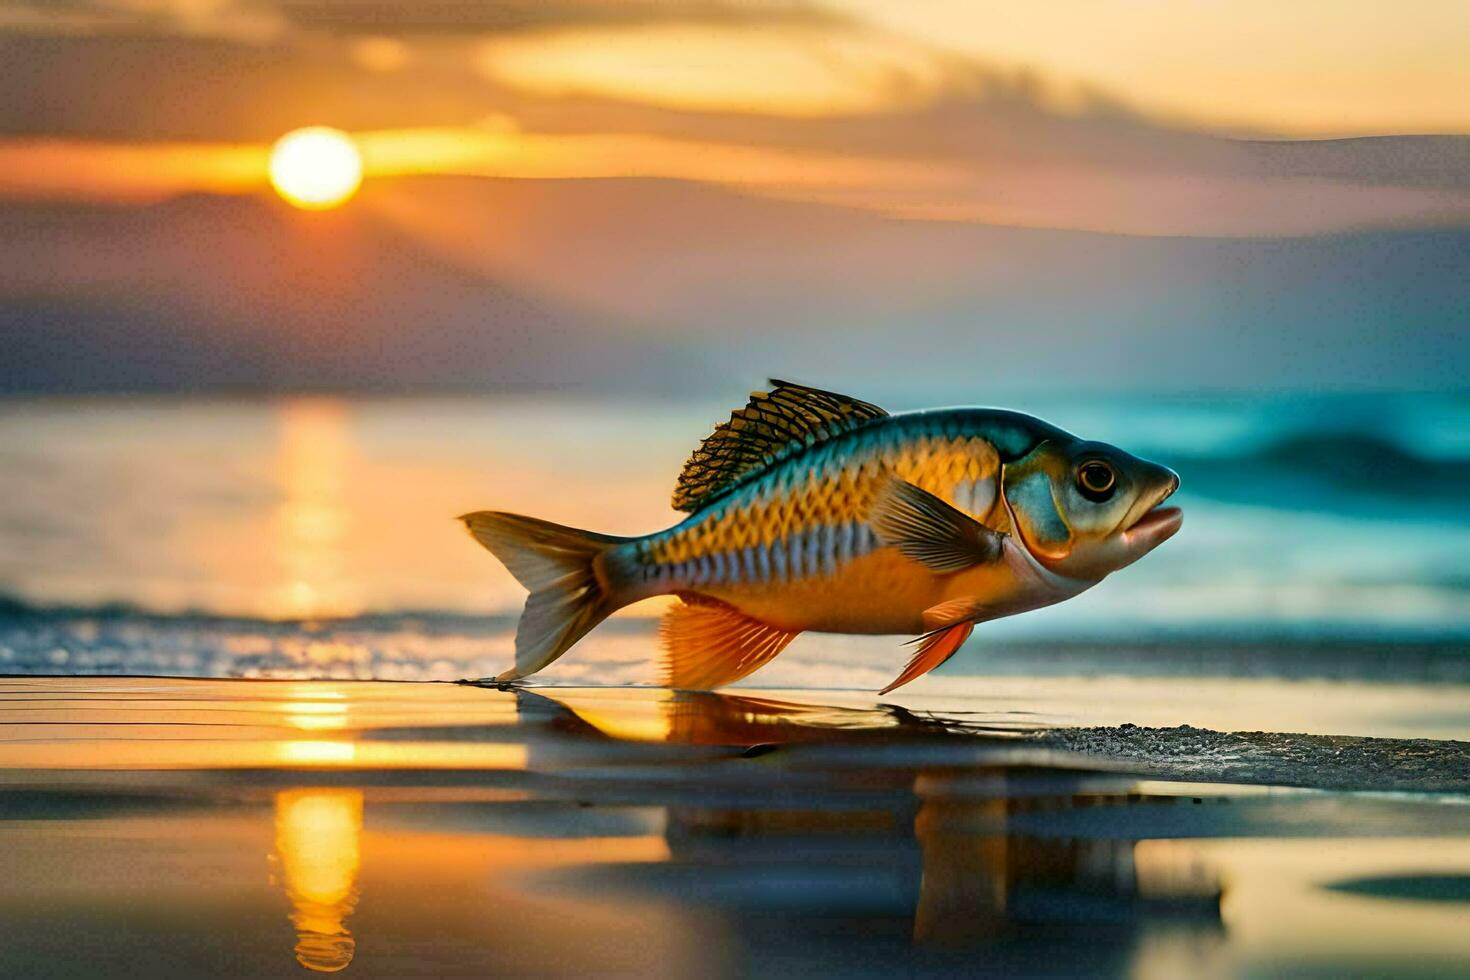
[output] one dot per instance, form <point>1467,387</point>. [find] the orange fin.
<point>709,644</point>
<point>934,649</point>
<point>949,613</point>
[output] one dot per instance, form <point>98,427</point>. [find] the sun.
<point>316,168</point>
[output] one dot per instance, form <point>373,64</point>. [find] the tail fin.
<point>561,568</point>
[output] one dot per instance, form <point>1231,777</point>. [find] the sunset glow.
<point>316,168</point>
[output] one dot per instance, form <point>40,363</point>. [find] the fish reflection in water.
<point>977,880</point>
<point>318,854</point>
<point>951,845</point>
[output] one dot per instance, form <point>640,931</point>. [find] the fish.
<point>810,510</point>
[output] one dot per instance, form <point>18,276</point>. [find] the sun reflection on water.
<point>316,753</point>
<point>312,522</point>
<point>315,716</point>
<point>318,847</point>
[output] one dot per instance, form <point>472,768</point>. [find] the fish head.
<point>1086,509</point>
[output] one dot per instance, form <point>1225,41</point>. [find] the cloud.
<point>240,20</point>
<point>149,88</point>
<point>802,107</point>
<point>126,172</point>
<point>453,17</point>
<point>787,70</point>
<point>260,20</point>
<point>1126,181</point>
<point>1255,66</point>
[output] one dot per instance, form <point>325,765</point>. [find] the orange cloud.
<point>126,172</point>
<point>778,71</point>
<point>140,172</point>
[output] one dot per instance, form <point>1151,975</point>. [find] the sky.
<point>859,102</point>
<point>554,151</point>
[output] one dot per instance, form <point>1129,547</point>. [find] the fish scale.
<point>794,514</point>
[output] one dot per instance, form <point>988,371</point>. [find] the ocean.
<point>1325,535</point>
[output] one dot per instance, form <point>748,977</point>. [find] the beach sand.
<point>155,826</point>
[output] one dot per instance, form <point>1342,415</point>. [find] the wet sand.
<point>175,827</point>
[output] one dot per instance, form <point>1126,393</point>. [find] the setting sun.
<point>316,168</point>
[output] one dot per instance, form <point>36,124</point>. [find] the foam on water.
<point>625,650</point>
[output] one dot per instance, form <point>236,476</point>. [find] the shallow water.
<point>257,827</point>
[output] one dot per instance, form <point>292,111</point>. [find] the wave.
<point>429,645</point>
<point>1324,470</point>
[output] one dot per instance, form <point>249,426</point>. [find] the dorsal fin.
<point>772,425</point>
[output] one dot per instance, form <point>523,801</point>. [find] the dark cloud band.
<point>453,17</point>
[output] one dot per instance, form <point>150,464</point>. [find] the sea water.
<point>317,534</point>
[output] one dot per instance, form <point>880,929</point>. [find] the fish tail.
<point>571,575</point>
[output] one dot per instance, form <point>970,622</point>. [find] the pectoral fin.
<point>934,649</point>
<point>709,644</point>
<point>928,530</point>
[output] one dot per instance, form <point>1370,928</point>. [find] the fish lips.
<point>1155,525</point>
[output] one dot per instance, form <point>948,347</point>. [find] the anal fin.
<point>709,644</point>
<point>934,649</point>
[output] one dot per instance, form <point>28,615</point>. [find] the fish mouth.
<point>1158,523</point>
<point>1161,522</point>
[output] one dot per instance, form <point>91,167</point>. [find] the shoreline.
<point>764,720</point>
<point>267,825</point>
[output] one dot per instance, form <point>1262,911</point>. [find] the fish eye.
<point>1096,479</point>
